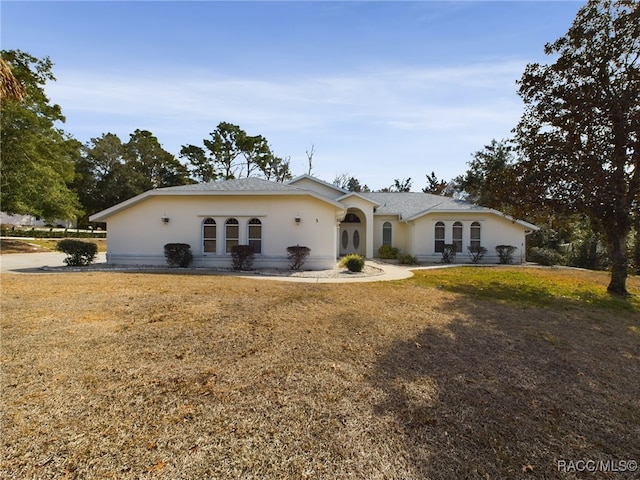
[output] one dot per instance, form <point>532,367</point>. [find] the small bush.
<point>449,253</point>
<point>242,257</point>
<point>78,253</point>
<point>353,262</point>
<point>476,253</point>
<point>178,254</point>
<point>387,252</point>
<point>546,256</point>
<point>505,253</point>
<point>407,259</point>
<point>297,256</point>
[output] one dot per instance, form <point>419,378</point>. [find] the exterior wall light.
<point>165,219</point>
<point>297,219</point>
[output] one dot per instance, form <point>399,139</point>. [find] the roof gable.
<point>410,206</point>
<point>236,187</point>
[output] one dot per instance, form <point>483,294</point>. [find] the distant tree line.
<point>572,167</point>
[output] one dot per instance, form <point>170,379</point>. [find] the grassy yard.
<point>463,373</point>
<point>15,245</point>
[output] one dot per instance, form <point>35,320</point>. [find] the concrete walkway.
<point>35,262</point>
<point>48,262</point>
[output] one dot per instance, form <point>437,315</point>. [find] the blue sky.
<point>383,90</point>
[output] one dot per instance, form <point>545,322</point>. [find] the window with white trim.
<point>209,235</point>
<point>255,234</point>
<point>231,234</point>
<point>475,235</point>
<point>386,233</point>
<point>457,236</point>
<point>439,237</point>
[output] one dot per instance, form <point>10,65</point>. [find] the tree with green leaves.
<point>150,165</point>
<point>232,153</point>
<point>101,179</point>
<point>436,186</point>
<point>278,169</point>
<point>350,183</point>
<point>403,185</point>
<point>487,182</point>
<point>109,171</point>
<point>37,155</point>
<point>580,133</point>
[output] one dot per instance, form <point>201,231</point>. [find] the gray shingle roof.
<point>410,204</point>
<point>250,184</point>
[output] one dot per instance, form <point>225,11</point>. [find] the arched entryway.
<point>352,236</point>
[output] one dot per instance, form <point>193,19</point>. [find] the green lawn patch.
<point>539,287</point>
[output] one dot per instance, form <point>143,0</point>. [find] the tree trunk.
<point>637,246</point>
<point>619,264</point>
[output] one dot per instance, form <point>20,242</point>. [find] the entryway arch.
<point>352,237</point>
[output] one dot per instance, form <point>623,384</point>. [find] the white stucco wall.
<point>137,234</point>
<point>495,230</point>
<point>399,233</point>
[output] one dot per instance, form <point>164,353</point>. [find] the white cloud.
<point>367,115</point>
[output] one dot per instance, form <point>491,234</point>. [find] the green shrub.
<point>546,256</point>
<point>449,253</point>
<point>78,253</point>
<point>505,253</point>
<point>297,256</point>
<point>242,257</point>
<point>476,253</point>
<point>387,252</point>
<point>407,259</point>
<point>353,262</point>
<point>178,254</point>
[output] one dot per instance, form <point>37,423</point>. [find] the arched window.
<point>351,218</point>
<point>475,235</point>
<point>457,236</point>
<point>255,235</point>
<point>439,237</point>
<point>231,234</point>
<point>386,233</point>
<point>209,235</point>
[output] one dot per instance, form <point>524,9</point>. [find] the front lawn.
<point>112,375</point>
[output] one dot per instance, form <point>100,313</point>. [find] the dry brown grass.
<point>111,375</point>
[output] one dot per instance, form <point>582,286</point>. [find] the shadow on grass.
<point>508,394</point>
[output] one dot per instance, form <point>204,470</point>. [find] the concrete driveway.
<point>33,262</point>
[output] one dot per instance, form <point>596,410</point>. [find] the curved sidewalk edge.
<point>389,273</point>
<point>53,262</point>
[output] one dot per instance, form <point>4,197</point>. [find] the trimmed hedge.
<point>387,252</point>
<point>79,254</point>
<point>448,253</point>
<point>297,256</point>
<point>476,253</point>
<point>353,262</point>
<point>178,254</point>
<point>407,259</point>
<point>49,233</point>
<point>242,257</point>
<point>505,253</point>
<point>546,256</point>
